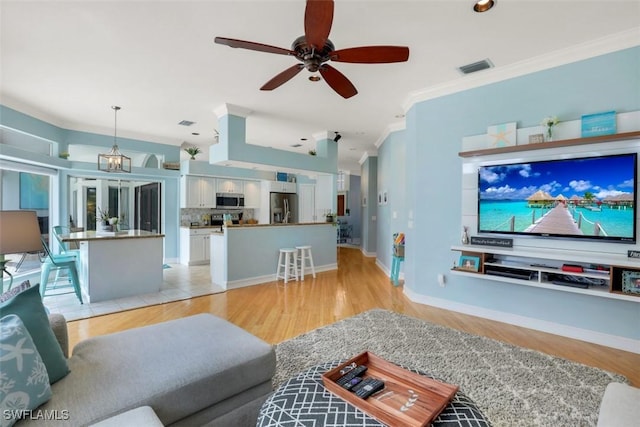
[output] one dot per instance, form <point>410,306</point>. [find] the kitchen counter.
<point>279,224</point>
<point>247,254</point>
<point>120,264</point>
<point>97,235</point>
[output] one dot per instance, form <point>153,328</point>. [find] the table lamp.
<point>19,233</point>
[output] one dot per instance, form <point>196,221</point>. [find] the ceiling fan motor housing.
<point>311,58</point>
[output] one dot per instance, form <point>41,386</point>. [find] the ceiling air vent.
<point>296,145</point>
<point>186,123</point>
<point>476,66</point>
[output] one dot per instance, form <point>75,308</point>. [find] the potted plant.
<point>102,220</point>
<point>192,151</point>
<point>330,217</point>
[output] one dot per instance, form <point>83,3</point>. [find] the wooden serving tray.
<point>408,399</point>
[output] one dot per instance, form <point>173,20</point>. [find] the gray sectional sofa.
<point>195,371</point>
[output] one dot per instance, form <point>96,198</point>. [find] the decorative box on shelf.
<point>408,399</point>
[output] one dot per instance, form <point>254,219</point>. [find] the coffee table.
<point>303,401</point>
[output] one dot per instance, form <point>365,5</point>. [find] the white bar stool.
<point>304,254</point>
<point>288,263</point>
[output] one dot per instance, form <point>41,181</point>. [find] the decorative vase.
<point>549,133</point>
<point>465,237</point>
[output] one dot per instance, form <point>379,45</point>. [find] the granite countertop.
<point>118,235</point>
<point>278,225</point>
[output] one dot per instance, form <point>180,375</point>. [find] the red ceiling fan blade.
<point>371,54</point>
<point>338,81</point>
<point>282,78</point>
<point>253,46</point>
<point>318,17</point>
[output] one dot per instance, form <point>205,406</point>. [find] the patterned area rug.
<point>512,386</point>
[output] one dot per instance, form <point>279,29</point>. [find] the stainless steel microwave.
<point>229,201</point>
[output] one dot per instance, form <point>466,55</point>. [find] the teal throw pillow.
<point>28,306</point>
<point>24,382</point>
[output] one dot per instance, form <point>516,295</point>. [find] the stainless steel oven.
<point>229,201</point>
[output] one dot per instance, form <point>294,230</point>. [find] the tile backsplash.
<point>189,215</point>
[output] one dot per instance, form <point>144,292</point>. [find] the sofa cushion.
<point>24,382</point>
<point>178,368</point>
<point>619,406</point>
<point>139,417</point>
<point>27,305</point>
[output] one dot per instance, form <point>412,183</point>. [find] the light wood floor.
<point>275,312</point>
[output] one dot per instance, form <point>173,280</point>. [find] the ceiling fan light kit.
<point>314,50</point>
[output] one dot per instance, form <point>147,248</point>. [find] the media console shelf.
<point>552,144</point>
<point>602,274</point>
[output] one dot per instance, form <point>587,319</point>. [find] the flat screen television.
<point>580,198</point>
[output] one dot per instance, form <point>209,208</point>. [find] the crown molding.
<point>393,127</point>
<point>615,42</point>
<point>321,136</point>
<point>365,156</point>
<point>230,109</point>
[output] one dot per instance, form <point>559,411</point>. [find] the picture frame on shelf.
<point>631,282</point>
<point>502,135</point>
<point>598,124</point>
<point>536,138</point>
<point>470,263</point>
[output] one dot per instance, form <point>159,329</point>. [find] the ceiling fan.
<point>314,49</point>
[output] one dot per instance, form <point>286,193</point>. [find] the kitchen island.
<point>247,254</point>
<point>118,264</point>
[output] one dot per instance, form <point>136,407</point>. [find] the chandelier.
<point>114,161</point>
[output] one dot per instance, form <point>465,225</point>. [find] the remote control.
<point>354,381</point>
<point>367,387</point>
<point>355,372</point>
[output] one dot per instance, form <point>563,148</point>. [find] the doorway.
<point>147,207</point>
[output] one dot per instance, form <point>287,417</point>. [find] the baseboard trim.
<point>368,254</point>
<point>250,281</point>
<point>613,341</point>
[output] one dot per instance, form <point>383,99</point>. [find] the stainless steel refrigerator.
<point>283,208</point>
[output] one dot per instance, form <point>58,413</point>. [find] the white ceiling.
<point>68,62</point>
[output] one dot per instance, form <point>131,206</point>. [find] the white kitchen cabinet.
<point>282,187</point>
<point>230,186</point>
<point>198,192</point>
<point>252,194</point>
<point>194,246</point>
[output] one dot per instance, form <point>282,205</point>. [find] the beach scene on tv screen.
<point>591,197</point>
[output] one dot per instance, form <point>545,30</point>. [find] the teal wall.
<point>392,215</point>
<point>432,169</point>
<point>369,189</point>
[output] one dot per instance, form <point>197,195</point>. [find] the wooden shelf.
<point>549,261</point>
<point>551,144</point>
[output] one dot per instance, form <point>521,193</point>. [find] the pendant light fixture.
<point>114,161</point>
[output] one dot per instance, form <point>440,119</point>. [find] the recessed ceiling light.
<point>399,116</point>
<point>186,123</point>
<point>484,5</point>
<point>303,139</point>
<point>195,133</point>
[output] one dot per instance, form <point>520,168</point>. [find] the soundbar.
<point>514,274</point>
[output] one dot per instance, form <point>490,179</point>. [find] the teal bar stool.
<point>59,263</point>
<point>64,249</point>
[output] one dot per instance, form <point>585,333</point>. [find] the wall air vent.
<point>476,66</point>
<point>186,123</point>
